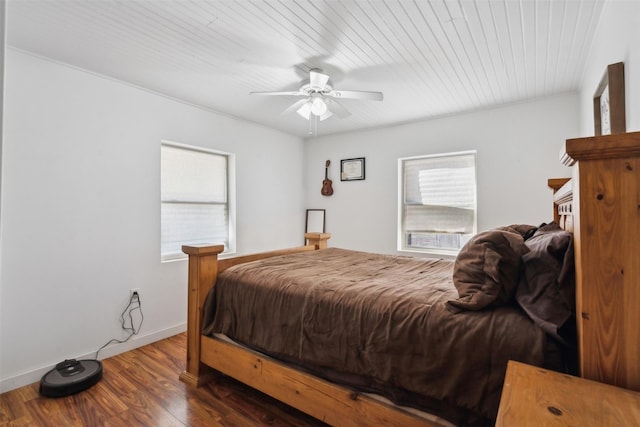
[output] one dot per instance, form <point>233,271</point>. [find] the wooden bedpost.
<point>203,271</point>
<point>319,240</point>
<point>606,212</point>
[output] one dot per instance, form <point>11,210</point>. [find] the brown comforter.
<point>377,321</point>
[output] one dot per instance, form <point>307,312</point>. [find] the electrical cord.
<point>129,309</point>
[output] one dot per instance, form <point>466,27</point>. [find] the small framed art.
<point>352,169</point>
<point>315,222</point>
<point>609,103</point>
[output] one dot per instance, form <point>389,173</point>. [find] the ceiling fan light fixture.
<point>305,110</point>
<point>318,106</point>
<point>319,99</point>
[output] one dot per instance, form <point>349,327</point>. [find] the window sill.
<point>439,253</point>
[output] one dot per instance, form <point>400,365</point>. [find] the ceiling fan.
<point>319,97</point>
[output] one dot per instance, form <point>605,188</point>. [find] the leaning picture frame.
<point>609,115</point>
<point>352,169</point>
<point>314,222</point>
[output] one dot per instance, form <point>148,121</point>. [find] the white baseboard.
<point>11,383</point>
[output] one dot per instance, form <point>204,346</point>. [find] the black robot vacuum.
<point>70,376</point>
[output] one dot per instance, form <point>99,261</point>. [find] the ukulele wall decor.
<point>327,190</point>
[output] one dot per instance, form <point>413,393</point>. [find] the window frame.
<point>401,244</point>
<point>230,193</point>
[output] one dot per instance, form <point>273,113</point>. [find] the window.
<point>196,202</point>
<point>437,207</point>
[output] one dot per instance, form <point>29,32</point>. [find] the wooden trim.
<point>326,401</point>
<point>201,250</point>
<point>600,148</point>
<point>557,183</point>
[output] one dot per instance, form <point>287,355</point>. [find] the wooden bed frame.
<point>326,401</point>
<point>599,204</point>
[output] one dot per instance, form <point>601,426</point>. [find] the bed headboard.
<point>600,204</point>
<point>562,202</point>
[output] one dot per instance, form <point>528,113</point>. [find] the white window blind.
<point>438,202</point>
<point>194,199</point>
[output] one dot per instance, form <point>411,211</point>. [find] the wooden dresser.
<point>601,205</point>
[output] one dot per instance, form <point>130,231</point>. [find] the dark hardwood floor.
<point>141,388</point>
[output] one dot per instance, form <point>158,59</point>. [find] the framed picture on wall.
<point>352,169</point>
<point>609,103</point>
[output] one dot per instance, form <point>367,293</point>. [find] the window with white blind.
<point>437,206</point>
<point>196,200</point>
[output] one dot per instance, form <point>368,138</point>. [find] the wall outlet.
<point>134,291</point>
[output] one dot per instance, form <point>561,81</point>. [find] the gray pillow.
<point>547,286</point>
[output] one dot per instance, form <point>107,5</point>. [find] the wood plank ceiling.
<point>429,57</point>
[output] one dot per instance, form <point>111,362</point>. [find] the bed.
<point>302,374</point>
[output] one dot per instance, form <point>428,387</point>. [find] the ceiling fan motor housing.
<point>308,88</point>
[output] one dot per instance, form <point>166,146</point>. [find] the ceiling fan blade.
<point>326,115</point>
<point>291,93</point>
<point>356,94</point>
<point>295,106</point>
<point>317,80</point>
<point>337,109</point>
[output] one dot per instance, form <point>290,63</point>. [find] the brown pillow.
<point>487,270</point>
<point>525,230</point>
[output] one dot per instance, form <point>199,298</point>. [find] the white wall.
<point>517,151</point>
<point>617,39</point>
<point>81,212</point>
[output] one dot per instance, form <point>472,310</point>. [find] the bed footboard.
<point>204,267</point>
